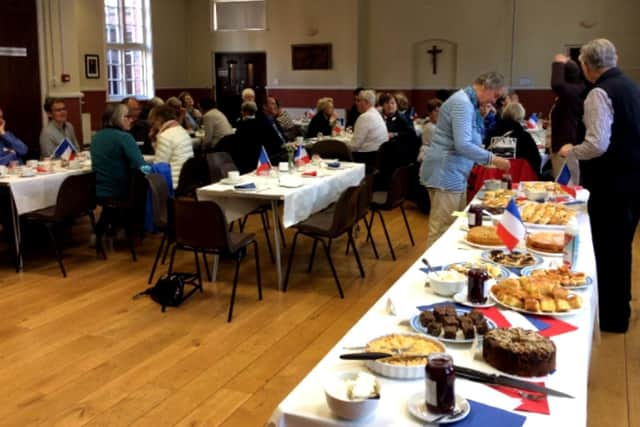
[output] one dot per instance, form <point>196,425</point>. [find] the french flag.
<point>301,157</point>
<point>65,151</point>
<point>264,164</point>
<point>510,229</point>
<point>532,123</point>
<point>565,179</point>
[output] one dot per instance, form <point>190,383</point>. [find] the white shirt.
<point>216,126</point>
<point>369,133</point>
<point>174,146</point>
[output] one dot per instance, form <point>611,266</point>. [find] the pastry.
<point>536,294</point>
<point>545,213</point>
<point>484,235</point>
<point>407,345</point>
<point>563,275</point>
<point>519,351</point>
<point>546,241</point>
<point>512,259</point>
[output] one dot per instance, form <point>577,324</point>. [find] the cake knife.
<point>483,377</point>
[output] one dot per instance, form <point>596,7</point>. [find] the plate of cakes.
<point>452,325</point>
<point>546,243</point>
<point>536,295</point>
<point>484,237</point>
<point>548,215</point>
<point>519,352</point>
<point>563,275</point>
<point>512,259</point>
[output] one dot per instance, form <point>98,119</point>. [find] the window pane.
<point>242,15</point>
<point>133,21</point>
<point>112,21</point>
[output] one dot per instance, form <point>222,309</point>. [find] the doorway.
<point>235,72</point>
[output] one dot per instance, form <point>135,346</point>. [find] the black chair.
<point>364,201</point>
<point>76,198</point>
<point>389,200</point>
<point>219,165</point>
<point>332,149</point>
<point>329,224</point>
<point>162,215</point>
<point>202,227</point>
<point>193,175</point>
<point>128,213</point>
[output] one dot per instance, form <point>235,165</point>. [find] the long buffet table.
<point>306,404</point>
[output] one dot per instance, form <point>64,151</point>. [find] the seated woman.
<point>173,143</point>
<point>114,157</point>
<point>324,120</point>
<point>510,126</point>
<point>192,116</point>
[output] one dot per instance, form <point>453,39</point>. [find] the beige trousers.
<point>443,203</point>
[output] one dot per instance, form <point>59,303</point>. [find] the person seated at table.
<point>57,129</point>
<point>455,148</point>
<point>173,143</point>
<point>114,155</point>
<point>290,129</point>
<point>192,116</point>
<point>244,146</point>
<point>324,120</point>
<point>429,127</point>
<point>353,113</point>
<point>11,147</point>
<point>139,127</point>
<point>215,124</point>
<point>370,131</point>
<point>248,95</point>
<point>404,106</point>
<point>176,105</point>
<point>511,126</point>
<point>274,138</point>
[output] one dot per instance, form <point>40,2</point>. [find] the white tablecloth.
<point>37,192</point>
<point>315,194</point>
<point>306,405</point>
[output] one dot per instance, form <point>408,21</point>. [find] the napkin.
<point>310,173</point>
<point>245,186</point>
<point>485,415</point>
<point>540,406</point>
<point>335,164</point>
<point>549,326</point>
<point>436,268</point>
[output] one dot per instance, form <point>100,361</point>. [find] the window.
<point>229,15</point>
<point>129,58</point>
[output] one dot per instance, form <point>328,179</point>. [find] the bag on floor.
<point>168,291</point>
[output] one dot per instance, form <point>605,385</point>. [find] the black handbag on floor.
<point>168,291</point>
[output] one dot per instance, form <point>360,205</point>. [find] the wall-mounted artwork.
<point>311,56</point>
<point>92,66</point>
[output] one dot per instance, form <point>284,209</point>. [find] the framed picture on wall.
<point>311,56</point>
<point>92,66</point>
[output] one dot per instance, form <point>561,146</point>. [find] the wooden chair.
<point>328,225</point>
<point>202,227</point>
<point>76,198</point>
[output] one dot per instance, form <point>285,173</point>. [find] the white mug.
<point>32,163</point>
<point>3,170</point>
<point>283,167</point>
<point>233,175</point>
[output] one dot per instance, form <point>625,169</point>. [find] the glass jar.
<point>476,281</point>
<point>474,215</point>
<point>440,377</point>
<point>507,181</point>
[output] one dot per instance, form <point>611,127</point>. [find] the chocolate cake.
<point>435,328</point>
<point>450,331</point>
<point>426,318</point>
<point>519,351</point>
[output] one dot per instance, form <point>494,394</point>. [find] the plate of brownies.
<point>452,325</point>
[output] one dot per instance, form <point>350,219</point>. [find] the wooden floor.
<point>80,351</point>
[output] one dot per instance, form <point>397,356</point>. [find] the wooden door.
<point>235,72</point>
<point>19,73</point>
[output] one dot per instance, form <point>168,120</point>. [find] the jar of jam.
<point>440,377</point>
<point>507,181</point>
<point>475,289</point>
<point>474,215</point>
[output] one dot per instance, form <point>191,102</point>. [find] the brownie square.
<point>482,327</point>
<point>450,321</point>
<point>450,332</point>
<point>435,329</point>
<point>467,330</point>
<point>426,318</point>
<point>440,312</point>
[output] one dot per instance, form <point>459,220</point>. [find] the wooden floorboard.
<point>81,352</point>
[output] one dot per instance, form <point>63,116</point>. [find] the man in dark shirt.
<point>11,147</point>
<point>139,128</point>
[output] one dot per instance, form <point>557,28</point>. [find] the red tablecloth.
<point>520,170</point>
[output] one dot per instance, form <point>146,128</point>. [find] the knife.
<point>483,377</point>
<point>375,355</point>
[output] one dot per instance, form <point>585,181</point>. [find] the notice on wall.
<point>13,51</point>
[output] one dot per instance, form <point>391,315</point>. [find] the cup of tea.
<point>233,175</point>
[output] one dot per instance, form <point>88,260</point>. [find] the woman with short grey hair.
<point>456,146</point>
<point>116,116</point>
<point>513,111</point>
<point>610,169</point>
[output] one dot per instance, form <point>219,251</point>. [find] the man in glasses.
<point>58,128</point>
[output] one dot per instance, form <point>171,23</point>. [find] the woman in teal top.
<point>456,146</point>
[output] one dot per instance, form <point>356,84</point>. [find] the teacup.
<point>32,163</point>
<point>3,170</point>
<point>27,171</point>
<point>233,175</point>
<point>283,167</point>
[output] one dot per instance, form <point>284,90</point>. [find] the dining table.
<point>33,192</point>
<point>396,310</point>
<point>302,192</point>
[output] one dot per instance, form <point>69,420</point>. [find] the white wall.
<point>90,26</point>
<point>171,52</point>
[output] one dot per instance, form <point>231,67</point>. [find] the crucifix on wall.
<point>434,51</point>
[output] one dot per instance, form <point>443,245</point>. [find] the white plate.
<point>418,408</point>
<point>415,324</point>
<point>535,251</point>
<point>587,282</point>
<point>550,227</point>
<point>537,313</point>
<point>229,181</point>
<point>479,246</point>
<point>461,298</point>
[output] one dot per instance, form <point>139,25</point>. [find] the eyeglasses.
<point>59,110</point>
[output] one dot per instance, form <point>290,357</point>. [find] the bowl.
<point>492,184</point>
<point>447,283</point>
<point>537,195</point>
<point>335,391</point>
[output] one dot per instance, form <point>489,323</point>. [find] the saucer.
<point>461,298</point>
<point>230,181</point>
<point>418,408</point>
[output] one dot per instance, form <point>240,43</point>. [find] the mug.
<point>32,163</point>
<point>233,175</point>
<point>283,167</point>
<point>3,170</point>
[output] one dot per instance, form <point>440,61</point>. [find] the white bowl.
<point>537,196</point>
<point>447,283</point>
<point>492,184</point>
<point>335,391</point>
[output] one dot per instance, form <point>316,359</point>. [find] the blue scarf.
<point>479,120</point>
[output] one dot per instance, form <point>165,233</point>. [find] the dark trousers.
<point>614,217</point>
<point>369,159</point>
